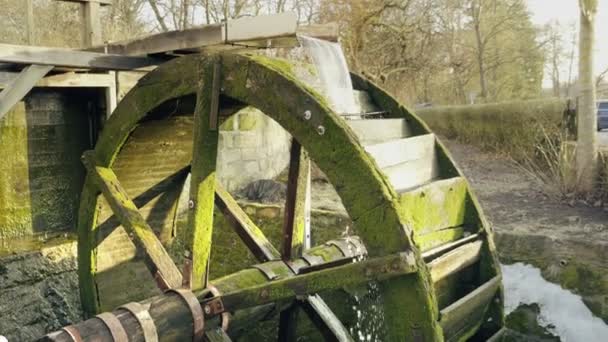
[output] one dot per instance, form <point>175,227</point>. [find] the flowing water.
<point>562,312</point>
<point>333,74</point>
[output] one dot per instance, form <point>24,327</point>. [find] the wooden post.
<point>91,36</point>
<point>30,21</point>
<point>92,24</point>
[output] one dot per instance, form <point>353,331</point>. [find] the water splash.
<point>563,312</point>
<point>332,70</point>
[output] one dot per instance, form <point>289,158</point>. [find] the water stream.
<point>332,70</point>
<point>561,311</point>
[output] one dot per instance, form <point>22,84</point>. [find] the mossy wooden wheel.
<point>419,247</point>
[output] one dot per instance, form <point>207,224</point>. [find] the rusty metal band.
<point>73,332</point>
<point>225,316</point>
<point>198,318</point>
<point>144,319</point>
<point>117,331</point>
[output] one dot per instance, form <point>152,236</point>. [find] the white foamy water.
<point>333,73</point>
<point>571,320</point>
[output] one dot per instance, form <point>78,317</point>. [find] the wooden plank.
<point>156,258</point>
<point>249,232</point>
<point>437,238</point>
<point>20,86</point>
<point>91,23</point>
<point>437,205</point>
<point>64,80</point>
<point>467,312</point>
<point>328,31</point>
<point>19,54</point>
<point>261,27</point>
<point>437,251</point>
<point>203,179</point>
<point>455,260</point>
<point>325,320</point>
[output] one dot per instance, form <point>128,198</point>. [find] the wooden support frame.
<point>156,258</point>
<point>69,58</point>
<point>21,85</point>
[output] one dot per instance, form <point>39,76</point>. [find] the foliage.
<point>510,128</point>
<point>442,51</point>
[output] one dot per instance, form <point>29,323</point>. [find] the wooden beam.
<point>91,33</point>
<point>253,237</point>
<point>156,258</point>
<point>243,30</point>
<point>66,80</point>
<point>20,86</point>
<point>329,31</point>
<point>468,310</point>
<point>325,320</point>
<point>293,234</point>
<point>61,57</point>
<point>203,179</point>
<point>455,260</point>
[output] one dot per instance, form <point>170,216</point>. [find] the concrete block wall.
<point>41,141</point>
<point>252,147</point>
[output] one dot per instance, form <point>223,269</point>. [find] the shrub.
<point>511,128</point>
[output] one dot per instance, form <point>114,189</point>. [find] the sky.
<point>567,11</point>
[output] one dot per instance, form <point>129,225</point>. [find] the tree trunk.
<point>476,15</point>
<point>586,154</point>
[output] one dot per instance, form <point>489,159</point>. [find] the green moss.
<point>583,279</point>
<point>524,320</point>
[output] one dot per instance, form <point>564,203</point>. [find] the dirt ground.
<point>515,201</point>
<point>568,241</point>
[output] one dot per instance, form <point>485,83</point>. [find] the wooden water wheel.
<point>420,233</point>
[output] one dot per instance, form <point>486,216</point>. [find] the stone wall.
<point>38,292</point>
<point>252,146</point>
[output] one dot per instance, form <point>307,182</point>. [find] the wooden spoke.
<point>296,226</point>
<point>295,215</point>
<point>156,257</point>
<point>253,237</point>
<point>325,320</point>
<point>202,184</point>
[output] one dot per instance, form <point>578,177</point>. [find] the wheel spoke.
<point>202,185</point>
<point>296,226</point>
<point>295,209</point>
<point>251,235</point>
<point>156,258</point>
<point>324,319</point>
